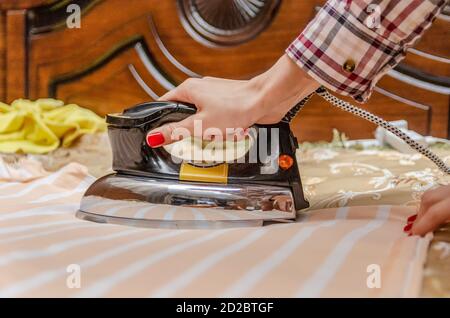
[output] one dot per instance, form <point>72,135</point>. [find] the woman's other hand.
<point>434,211</point>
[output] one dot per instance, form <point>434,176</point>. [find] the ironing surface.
<point>42,238</point>
<point>267,261</point>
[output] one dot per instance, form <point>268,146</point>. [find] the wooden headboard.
<point>127,52</point>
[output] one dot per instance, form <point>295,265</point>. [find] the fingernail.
<point>156,139</point>
<point>412,218</point>
<point>407,228</point>
<point>410,234</point>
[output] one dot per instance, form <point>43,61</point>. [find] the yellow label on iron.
<point>217,173</point>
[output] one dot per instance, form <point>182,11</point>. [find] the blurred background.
<point>127,52</point>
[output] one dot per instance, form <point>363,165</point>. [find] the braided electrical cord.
<point>381,122</point>
<point>296,109</point>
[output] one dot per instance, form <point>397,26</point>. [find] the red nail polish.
<point>412,218</point>
<point>407,227</point>
<point>156,139</point>
<point>410,234</point>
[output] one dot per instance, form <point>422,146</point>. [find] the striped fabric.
<point>326,253</point>
<point>373,34</point>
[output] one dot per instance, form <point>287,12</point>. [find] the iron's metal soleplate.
<point>185,224</point>
<point>160,203</point>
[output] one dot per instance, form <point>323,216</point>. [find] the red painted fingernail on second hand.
<point>407,228</point>
<point>412,218</point>
<point>155,139</point>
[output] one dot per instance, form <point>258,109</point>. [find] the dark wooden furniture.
<point>132,51</point>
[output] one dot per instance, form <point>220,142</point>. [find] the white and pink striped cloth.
<point>329,252</point>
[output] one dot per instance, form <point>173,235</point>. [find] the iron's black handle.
<point>150,112</point>
<point>186,108</point>
<point>178,113</point>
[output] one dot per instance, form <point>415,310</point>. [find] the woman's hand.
<point>235,105</point>
<point>434,211</point>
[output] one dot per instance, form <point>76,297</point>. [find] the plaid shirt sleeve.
<point>351,44</point>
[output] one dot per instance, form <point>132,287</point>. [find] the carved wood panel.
<point>165,53</point>
<point>126,53</point>
<point>2,56</point>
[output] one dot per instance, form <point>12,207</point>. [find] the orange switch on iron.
<point>285,161</point>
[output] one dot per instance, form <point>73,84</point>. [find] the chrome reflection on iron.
<point>131,200</point>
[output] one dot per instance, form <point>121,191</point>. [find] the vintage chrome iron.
<point>151,189</point>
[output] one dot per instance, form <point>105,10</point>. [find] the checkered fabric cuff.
<point>341,50</point>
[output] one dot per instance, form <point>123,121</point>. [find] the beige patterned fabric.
<point>336,177</point>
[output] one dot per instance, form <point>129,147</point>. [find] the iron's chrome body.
<point>146,202</point>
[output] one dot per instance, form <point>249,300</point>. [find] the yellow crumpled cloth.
<point>43,125</point>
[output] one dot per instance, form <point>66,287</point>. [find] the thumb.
<point>171,132</point>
